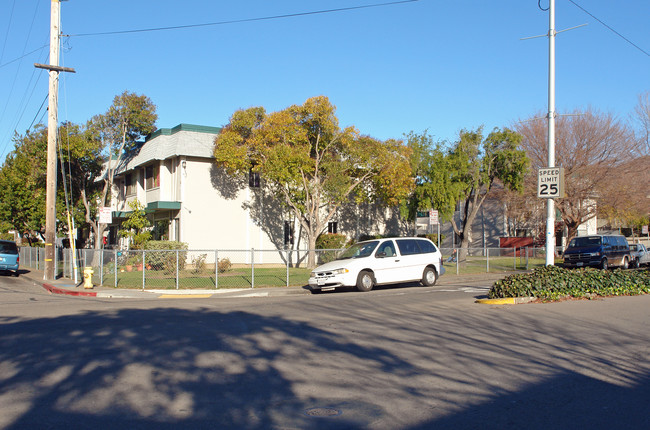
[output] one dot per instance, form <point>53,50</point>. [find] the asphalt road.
<point>394,358</point>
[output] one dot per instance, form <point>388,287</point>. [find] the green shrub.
<point>330,241</point>
<point>553,283</point>
<point>161,255</point>
<point>364,237</point>
<point>433,237</point>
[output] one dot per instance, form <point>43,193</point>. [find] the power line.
<point>609,28</point>
<point>23,56</point>
<point>237,21</point>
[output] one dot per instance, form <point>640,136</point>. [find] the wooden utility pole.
<point>52,125</point>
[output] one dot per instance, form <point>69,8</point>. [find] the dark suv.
<point>9,257</point>
<point>598,251</point>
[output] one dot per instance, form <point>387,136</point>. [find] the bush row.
<point>552,283</point>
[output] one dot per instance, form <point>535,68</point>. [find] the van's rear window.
<point>8,248</point>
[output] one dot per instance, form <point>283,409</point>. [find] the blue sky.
<point>424,65</point>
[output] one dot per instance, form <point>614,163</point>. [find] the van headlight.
<point>315,273</point>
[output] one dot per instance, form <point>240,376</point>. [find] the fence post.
<point>286,253</point>
<point>514,260</point>
<point>115,267</point>
<point>526,258</point>
<point>216,269</point>
<point>177,269</point>
<point>458,261</point>
<point>144,266</point>
<point>143,269</point>
<point>487,260</point>
<point>252,267</point>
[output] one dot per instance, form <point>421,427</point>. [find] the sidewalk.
<point>67,286</point>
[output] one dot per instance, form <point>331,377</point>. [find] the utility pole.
<point>550,203</point>
<point>52,125</point>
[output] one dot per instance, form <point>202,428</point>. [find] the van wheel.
<point>365,281</point>
<point>429,277</point>
<point>626,263</point>
<point>603,264</point>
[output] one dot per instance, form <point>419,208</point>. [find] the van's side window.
<point>387,249</point>
<point>408,246</point>
<point>426,247</point>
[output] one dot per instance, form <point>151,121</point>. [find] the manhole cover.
<point>323,412</point>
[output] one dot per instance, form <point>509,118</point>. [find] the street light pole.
<point>550,203</point>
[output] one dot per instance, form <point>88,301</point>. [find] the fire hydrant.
<point>88,277</point>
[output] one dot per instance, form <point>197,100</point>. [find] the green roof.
<point>183,127</point>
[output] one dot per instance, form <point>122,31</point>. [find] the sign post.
<point>433,219</point>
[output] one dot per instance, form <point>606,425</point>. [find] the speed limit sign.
<point>550,183</point>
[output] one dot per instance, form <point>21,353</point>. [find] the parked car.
<point>600,250</point>
<point>9,258</point>
<point>639,255</point>
<point>379,262</point>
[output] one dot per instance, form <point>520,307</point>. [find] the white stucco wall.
<point>210,221</point>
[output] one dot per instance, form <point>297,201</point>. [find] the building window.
<point>152,176</point>
<point>253,179</point>
<point>332,227</point>
<point>129,183</point>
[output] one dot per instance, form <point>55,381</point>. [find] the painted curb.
<point>506,301</point>
<point>54,290</point>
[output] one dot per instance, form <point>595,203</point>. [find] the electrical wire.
<point>539,5</point>
<point>23,56</point>
<point>237,21</point>
<point>11,17</point>
<point>609,28</point>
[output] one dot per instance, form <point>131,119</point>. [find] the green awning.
<point>163,206</point>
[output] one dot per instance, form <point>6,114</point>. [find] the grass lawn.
<point>277,277</point>
<point>234,278</point>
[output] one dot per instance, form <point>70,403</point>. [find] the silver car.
<point>639,255</point>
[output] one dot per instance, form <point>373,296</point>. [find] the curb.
<point>55,290</point>
<point>506,301</point>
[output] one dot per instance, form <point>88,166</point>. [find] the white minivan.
<point>381,261</point>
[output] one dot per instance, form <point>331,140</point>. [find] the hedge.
<point>553,283</point>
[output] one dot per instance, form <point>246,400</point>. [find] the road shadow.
<point>162,368</point>
<point>566,401</point>
<point>369,363</point>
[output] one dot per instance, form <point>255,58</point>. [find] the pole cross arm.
<point>55,68</point>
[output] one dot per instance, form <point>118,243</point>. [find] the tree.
<point>22,184</point>
<point>310,164</point>
<point>642,117</point>
<point>593,149</point>
<point>136,226</point>
<point>80,163</point>
<point>23,177</point>
<point>465,173</point>
<point>120,130</point>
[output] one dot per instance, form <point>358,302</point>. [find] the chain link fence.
<point>251,268</point>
